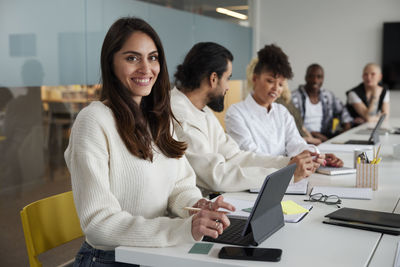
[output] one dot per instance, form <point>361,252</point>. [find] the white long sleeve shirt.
<point>256,129</point>
<point>216,158</point>
<point>120,198</point>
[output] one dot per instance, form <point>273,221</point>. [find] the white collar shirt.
<point>256,129</point>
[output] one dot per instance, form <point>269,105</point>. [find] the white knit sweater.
<point>216,158</point>
<point>120,198</point>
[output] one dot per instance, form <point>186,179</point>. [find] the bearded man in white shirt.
<point>219,163</point>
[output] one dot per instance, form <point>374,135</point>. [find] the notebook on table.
<point>243,209</point>
<point>299,188</point>
<point>266,216</point>
<point>383,222</point>
<point>374,137</point>
<point>343,192</point>
<point>335,170</point>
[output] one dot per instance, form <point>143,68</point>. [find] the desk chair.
<point>233,95</point>
<point>48,223</point>
<point>60,115</point>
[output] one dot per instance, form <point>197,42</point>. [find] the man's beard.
<point>216,103</point>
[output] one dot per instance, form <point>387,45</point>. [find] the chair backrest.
<point>48,223</point>
<point>233,95</point>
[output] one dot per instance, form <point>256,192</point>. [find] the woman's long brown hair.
<point>139,126</point>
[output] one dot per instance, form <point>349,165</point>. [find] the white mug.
<point>396,151</point>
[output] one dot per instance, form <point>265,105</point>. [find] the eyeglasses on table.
<point>329,200</point>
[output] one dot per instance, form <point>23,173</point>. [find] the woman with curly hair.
<point>258,123</point>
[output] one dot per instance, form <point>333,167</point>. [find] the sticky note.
<point>201,248</point>
<point>291,207</point>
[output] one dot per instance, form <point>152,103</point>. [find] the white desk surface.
<point>386,250</point>
<point>309,242</point>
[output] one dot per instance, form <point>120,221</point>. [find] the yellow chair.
<point>48,223</point>
<point>233,96</point>
<point>335,123</point>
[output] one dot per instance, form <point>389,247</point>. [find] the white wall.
<point>341,35</point>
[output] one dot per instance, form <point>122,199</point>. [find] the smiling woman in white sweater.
<point>130,178</point>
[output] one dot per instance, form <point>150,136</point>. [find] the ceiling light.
<point>237,7</point>
<point>231,13</point>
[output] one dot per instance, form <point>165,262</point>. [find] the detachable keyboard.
<point>233,234</point>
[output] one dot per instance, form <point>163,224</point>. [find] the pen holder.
<point>367,175</point>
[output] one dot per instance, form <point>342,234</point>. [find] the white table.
<point>309,242</point>
<point>385,252</point>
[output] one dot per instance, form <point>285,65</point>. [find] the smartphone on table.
<point>252,254</point>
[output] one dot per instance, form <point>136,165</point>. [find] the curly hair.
<point>272,58</point>
<point>286,94</point>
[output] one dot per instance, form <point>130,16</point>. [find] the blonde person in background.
<point>258,124</point>
<point>370,99</point>
<point>130,178</point>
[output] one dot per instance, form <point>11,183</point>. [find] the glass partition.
<point>50,70</point>
<point>50,54</point>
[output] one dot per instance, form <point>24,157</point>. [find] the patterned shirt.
<point>332,107</point>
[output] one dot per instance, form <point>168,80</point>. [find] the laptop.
<point>266,216</point>
<point>374,137</point>
<point>335,170</point>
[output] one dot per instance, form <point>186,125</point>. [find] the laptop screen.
<point>375,132</point>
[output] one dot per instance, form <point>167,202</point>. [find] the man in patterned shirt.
<point>318,107</point>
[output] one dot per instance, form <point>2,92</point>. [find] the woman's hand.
<point>320,136</point>
<point>212,205</point>
<point>208,221</point>
<point>333,161</point>
<point>307,163</point>
<point>377,91</point>
<point>304,165</point>
<point>312,140</point>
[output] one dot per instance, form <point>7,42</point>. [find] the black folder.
<point>383,222</point>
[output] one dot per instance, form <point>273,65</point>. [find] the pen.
<point>373,153</point>
<point>192,209</point>
<point>366,157</point>
<point>199,209</point>
<point>377,152</point>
